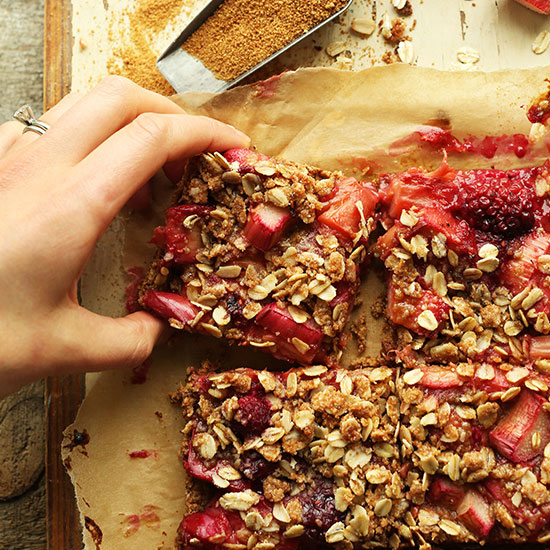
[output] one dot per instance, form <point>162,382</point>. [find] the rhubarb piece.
<point>266,224</point>
<point>442,378</point>
<point>540,6</point>
<point>476,514</point>
<point>170,306</point>
<point>248,232</point>
<point>524,430</point>
<point>539,347</point>
<point>477,240</point>
<point>446,493</point>
<point>319,421</point>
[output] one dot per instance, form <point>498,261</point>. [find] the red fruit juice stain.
<point>143,453</point>
<point>146,517</point>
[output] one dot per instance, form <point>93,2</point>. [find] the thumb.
<point>93,342</point>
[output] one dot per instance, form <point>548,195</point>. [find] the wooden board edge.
<point>57,50</point>
<point>63,394</point>
<point>63,397</point>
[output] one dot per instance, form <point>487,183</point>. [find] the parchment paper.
<point>326,117</point>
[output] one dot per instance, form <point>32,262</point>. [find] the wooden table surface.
<point>22,441</point>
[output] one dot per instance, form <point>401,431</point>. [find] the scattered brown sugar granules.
<point>133,55</point>
<point>242,33</point>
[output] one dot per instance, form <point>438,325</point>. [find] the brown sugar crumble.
<point>134,56</point>
<point>242,33</point>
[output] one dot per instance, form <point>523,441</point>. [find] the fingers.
<point>110,175</point>
<point>50,117</point>
<point>93,342</point>
<point>9,132</point>
<point>18,140</point>
<point>110,106</point>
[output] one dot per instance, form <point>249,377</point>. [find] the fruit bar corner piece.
<point>468,262</point>
<point>263,252</point>
<point>292,459</point>
<point>475,446</point>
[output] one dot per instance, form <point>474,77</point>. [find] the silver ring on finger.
<point>25,115</point>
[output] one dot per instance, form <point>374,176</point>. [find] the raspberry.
<point>498,202</point>
<point>253,415</point>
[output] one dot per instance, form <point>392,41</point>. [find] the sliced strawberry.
<point>513,435</point>
<point>518,271</point>
<point>341,211</point>
<point>415,188</point>
<point>266,225</point>
<point>180,244</point>
<point>539,347</point>
<point>245,158</point>
<point>445,493</point>
<point>527,513</point>
<point>170,306</point>
<point>439,378</point>
<point>540,6</point>
<point>476,514</point>
<point>459,235</point>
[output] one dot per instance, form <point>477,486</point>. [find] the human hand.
<point>58,194</point>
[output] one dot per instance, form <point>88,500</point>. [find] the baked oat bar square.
<point>262,252</point>
<point>475,445</point>
<point>291,459</point>
<point>467,256</point>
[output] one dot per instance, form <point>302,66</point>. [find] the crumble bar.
<point>263,252</point>
<point>307,456</point>
<point>475,439</point>
<point>468,260</point>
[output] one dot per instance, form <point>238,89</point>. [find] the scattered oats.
<point>386,26</point>
<point>438,245</point>
<point>513,328</point>
<point>258,293</point>
<point>221,317</point>
<point>219,481</point>
<point>333,454</point>
<point>251,310</point>
<point>280,513</point>
<point>265,168</point>
<point>534,296</point>
<point>405,51</point>
<point>291,384</point>
<point>509,394</point>
<point>383,450</point>
<point>450,527</point>
<point>363,25</point>
<point>294,531</point>
<point>536,440</point>
<point>440,284</point>
<point>452,256</point>
<point>277,196</point>
<point>429,419</point>
<point>517,374</point>
<point>452,469</point>
<point>229,271</point>
<point>472,274</point>
<point>536,133</point>
<point>335,48</point>
<point>488,251</point>
<point>342,496</point>
<point>212,330</point>
<point>335,533</point>
<point>241,501</point>
<point>427,320</point>
<point>316,370</point>
<point>398,4</point>
<point>383,507</point>
<point>536,384</point>
<point>328,294</point>
<point>346,385</point>
<point>250,183</point>
<point>298,315</point>
<point>408,218</point>
<point>467,55</point>
<point>488,265</point>
<point>429,464</point>
<point>430,274</point>
<point>360,521</point>
<point>413,376</point>
<point>541,42</point>
<point>543,263</point>
<point>205,444</point>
